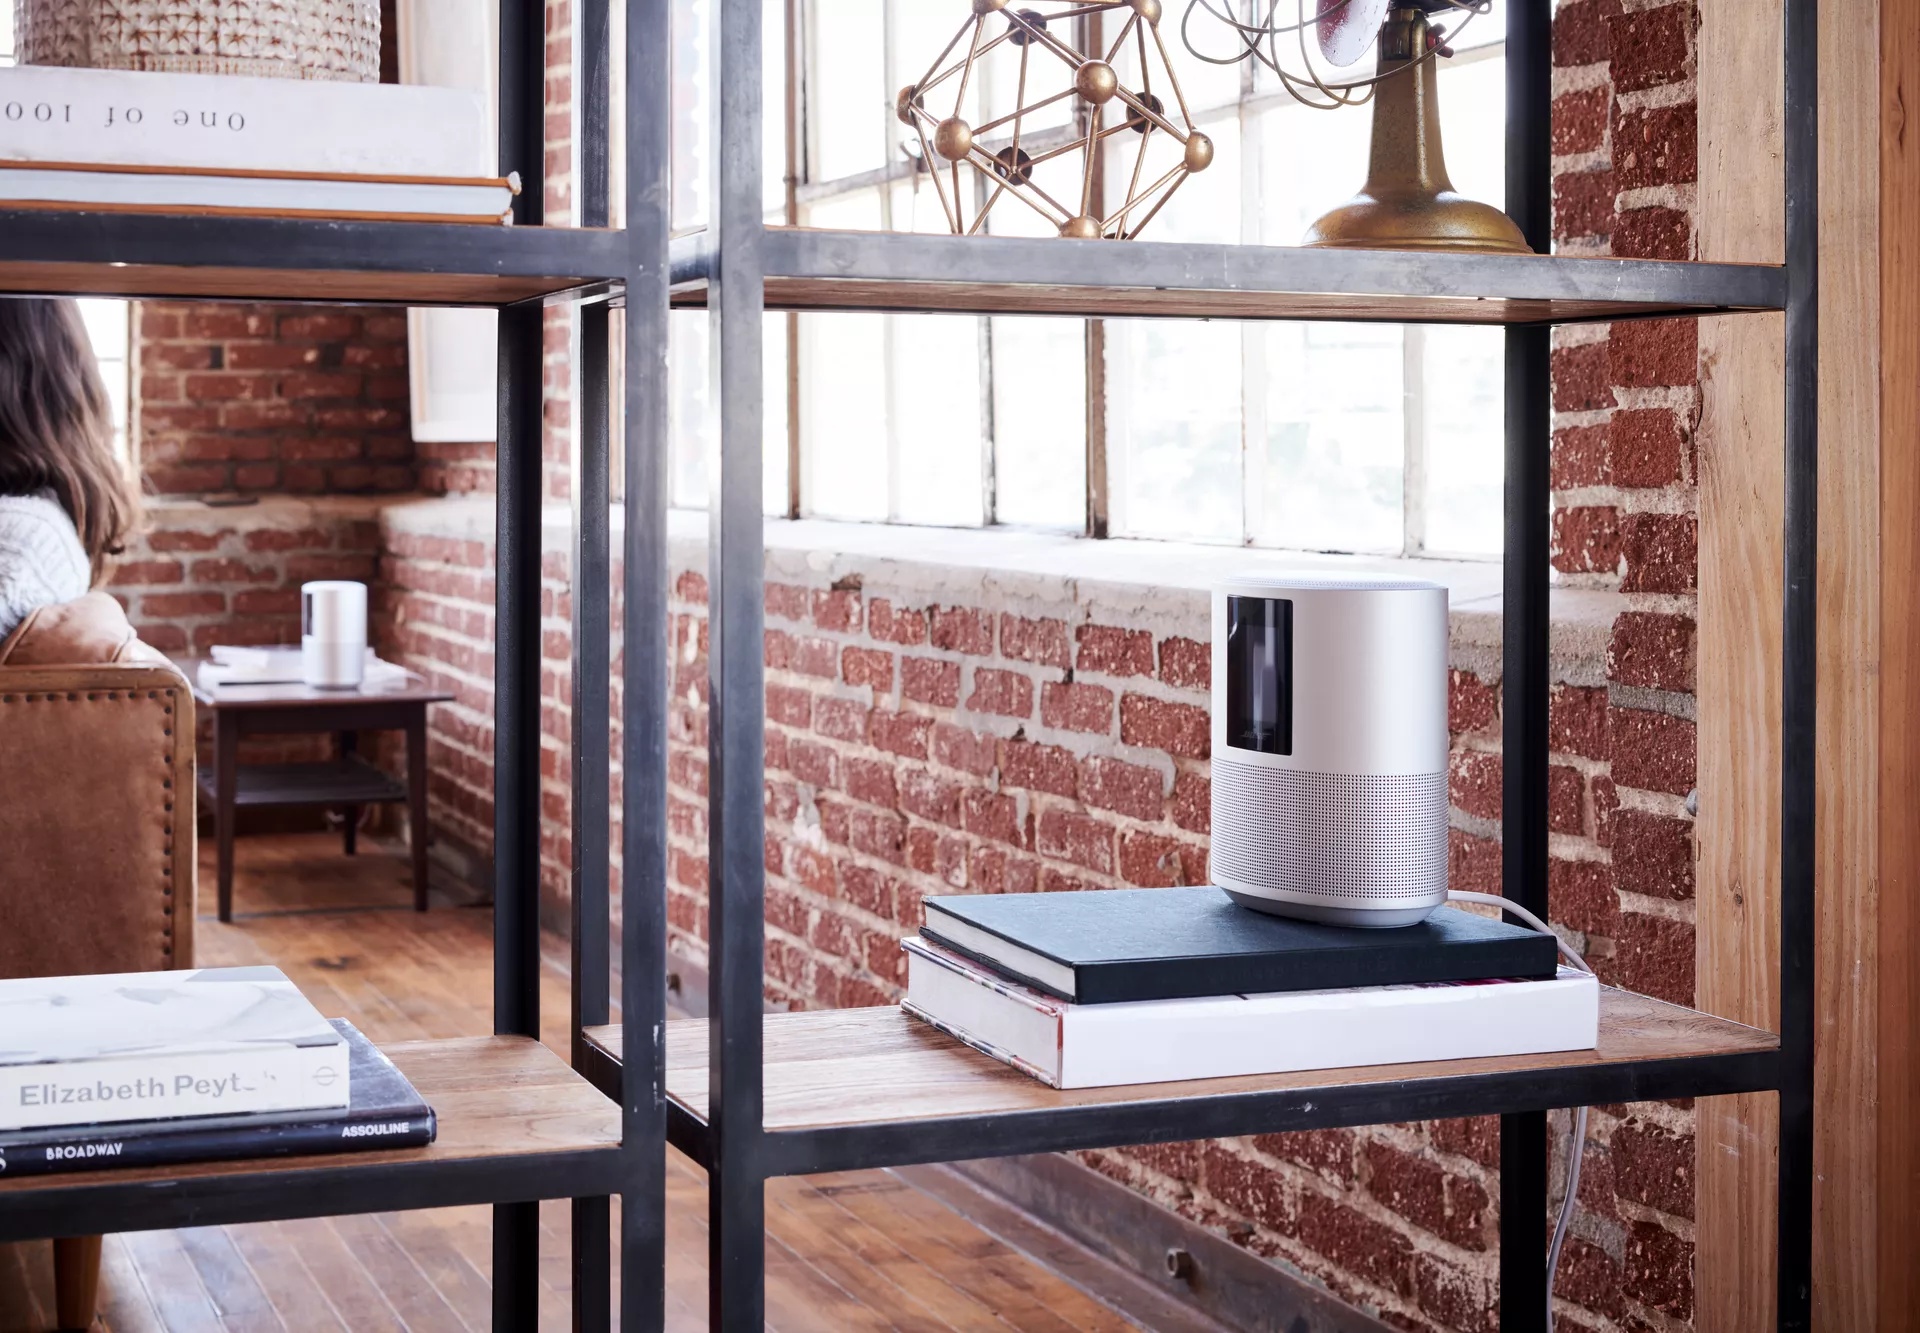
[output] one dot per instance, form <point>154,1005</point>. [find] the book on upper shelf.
<point>144,141</point>
<point>1108,946</point>
<point>385,1112</point>
<point>131,189</point>
<point>161,1045</point>
<point>1223,1036</point>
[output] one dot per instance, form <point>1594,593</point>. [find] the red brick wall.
<point>272,399</point>
<point>204,575</point>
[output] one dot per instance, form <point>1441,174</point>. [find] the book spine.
<point>173,1085</point>
<point>986,1048</point>
<point>217,1145</point>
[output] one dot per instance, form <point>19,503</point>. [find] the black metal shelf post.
<point>645,678</point>
<point>1800,622</point>
<point>1525,672</point>
<point>516,683</point>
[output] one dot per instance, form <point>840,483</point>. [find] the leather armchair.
<point>97,819</point>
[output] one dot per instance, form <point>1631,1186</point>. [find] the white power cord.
<point>1577,1149</point>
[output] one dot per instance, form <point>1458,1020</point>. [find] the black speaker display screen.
<point>1260,674</point>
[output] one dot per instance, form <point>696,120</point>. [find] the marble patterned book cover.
<point>163,1045</point>
<point>53,1020</point>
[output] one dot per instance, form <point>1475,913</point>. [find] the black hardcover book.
<point>1101,946</point>
<point>386,1112</point>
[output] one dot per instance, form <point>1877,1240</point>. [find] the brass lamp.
<point>1407,203</point>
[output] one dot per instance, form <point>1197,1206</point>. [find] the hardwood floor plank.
<point>124,1304</point>
<point>179,1297</point>
<point>396,1276</point>
<point>427,1235</point>
<point>290,1288</point>
<point>26,1285</point>
<point>349,1290</point>
<point>1005,1282</point>
<point>229,1280</point>
<point>883,1255</point>
<point>870,1285</point>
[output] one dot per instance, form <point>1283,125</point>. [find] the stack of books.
<point>1116,986</point>
<point>125,141</point>
<point>161,1068</point>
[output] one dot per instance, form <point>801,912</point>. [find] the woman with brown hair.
<point>66,504</point>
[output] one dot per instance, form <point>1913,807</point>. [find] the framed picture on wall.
<point>451,353</point>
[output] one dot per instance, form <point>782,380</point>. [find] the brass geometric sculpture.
<point>1408,202</point>
<point>1036,41</point>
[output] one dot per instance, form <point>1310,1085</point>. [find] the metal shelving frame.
<point>738,267</point>
<point>523,269</point>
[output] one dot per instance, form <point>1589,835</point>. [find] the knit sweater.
<point>41,558</point>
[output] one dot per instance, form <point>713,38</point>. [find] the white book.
<point>170,191</point>
<point>1067,1045</point>
<point>141,118</point>
<point>162,1045</point>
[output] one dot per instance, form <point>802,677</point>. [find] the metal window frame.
<point>1247,110</point>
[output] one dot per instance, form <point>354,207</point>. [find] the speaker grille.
<point>1330,835</point>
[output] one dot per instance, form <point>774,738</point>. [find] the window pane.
<point>1173,429</point>
<point>1206,207</point>
<point>692,112</point>
<point>1311,161</point>
<point>1473,112</point>
<point>1463,368</point>
<point>849,102</point>
<point>939,442</point>
<point>848,212</point>
<point>1465,440</point>
<point>843,415</point>
<point>694,424</point>
<point>1174,388</point>
<point>107,331</point>
<point>1040,421</point>
<point>916,206</point>
<point>1326,476</point>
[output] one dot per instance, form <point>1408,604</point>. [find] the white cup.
<point>333,634</point>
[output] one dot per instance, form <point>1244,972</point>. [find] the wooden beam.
<point>1866,788</point>
<point>1740,216</point>
<point>1898,1177</point>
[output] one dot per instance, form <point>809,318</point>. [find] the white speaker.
<point>333,634</point>
<point>1330,748</point>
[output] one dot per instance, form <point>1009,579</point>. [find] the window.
<point>1316,436</point>
<point>106,320</point>
<point>107,326</point>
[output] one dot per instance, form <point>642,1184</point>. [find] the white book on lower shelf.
<point>161,1045</point>
<point>1067,1045</point>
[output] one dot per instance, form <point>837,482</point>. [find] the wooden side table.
<point>345,782</point>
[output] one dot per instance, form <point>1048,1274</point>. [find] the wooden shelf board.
<point>826,294</point>
<point>77,253</point>
<point>808,269</point>
<point>873,1069</point>
<point>335,286</point>
<point>349,781</point>
<point>495,1098</point>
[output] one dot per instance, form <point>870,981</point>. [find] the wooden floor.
<point>860,1251</point>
